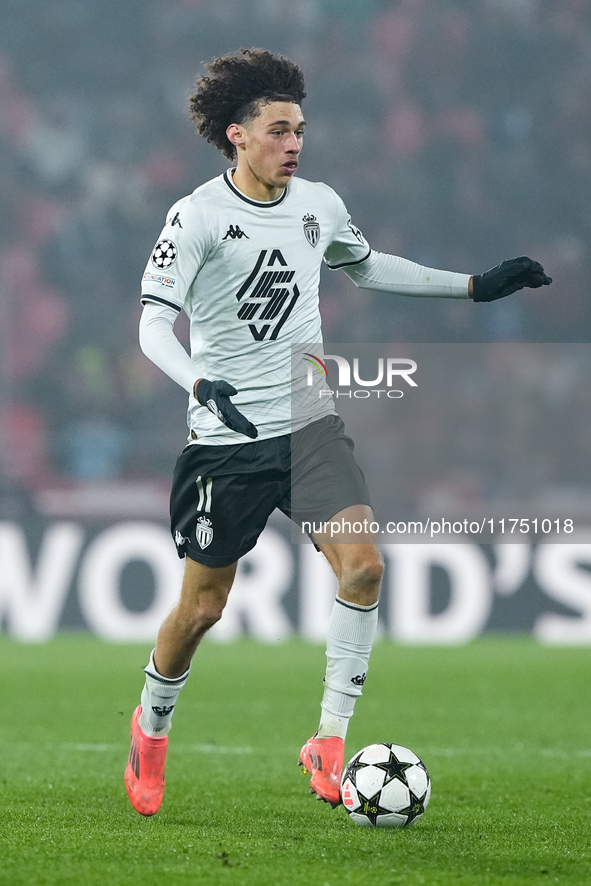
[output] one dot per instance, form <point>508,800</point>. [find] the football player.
<point>241,256</point>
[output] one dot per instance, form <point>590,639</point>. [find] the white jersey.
<point>247,275</point>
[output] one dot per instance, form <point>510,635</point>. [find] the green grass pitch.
<point>502,724</point>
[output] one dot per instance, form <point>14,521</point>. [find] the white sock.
<point>351,632</point>
<point>159,697</point>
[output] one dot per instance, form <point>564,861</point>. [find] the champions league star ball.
<point>385,786</point>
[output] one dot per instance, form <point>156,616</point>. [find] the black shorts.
<point>222,496</point>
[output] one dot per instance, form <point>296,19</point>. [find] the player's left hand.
<point>215,395</point>
<point>508,277</point>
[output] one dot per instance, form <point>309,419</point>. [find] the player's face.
<point>268,147</point>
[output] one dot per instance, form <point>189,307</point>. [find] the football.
<point>385,786</point>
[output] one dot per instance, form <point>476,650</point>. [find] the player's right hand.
<point>215,395</point>
<point>508,277</point>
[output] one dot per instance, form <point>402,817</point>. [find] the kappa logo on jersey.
<point>311,229</point>
<point>164,254</point>
<point>234,232</point>
<point>268,294</point>
<point>204,532</point>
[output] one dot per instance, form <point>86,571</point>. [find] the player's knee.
<point>202,610</point>
<point>208,619</point>
<point>363,574</point>
<point>201,617</point>
<point>204,595</point>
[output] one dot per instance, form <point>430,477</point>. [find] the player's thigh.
<point>325,477</point>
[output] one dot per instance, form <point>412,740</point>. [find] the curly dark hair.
<point>235,86</point>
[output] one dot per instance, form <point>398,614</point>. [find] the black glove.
<point>508,277</point>
<point>215,395</point>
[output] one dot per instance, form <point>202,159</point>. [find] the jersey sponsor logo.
<point>234,232</point>
<point>204,532</point>
<point>268,295</point>
<point>169,282</point>
<point>164,254</point>
<point>176,221</point>
<point>311,229</point>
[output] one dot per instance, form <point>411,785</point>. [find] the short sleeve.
<point>348,246</point>
<point>177,256</point>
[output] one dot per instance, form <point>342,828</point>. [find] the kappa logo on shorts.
<point>204,532</point>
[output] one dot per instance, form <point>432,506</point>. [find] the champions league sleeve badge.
<point>164,254</point>
<point>311,229</point>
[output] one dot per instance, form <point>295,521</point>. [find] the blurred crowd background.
<point>458,133</point>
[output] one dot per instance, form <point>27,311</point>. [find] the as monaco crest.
<point>204,532</point>
<point>311,229</point>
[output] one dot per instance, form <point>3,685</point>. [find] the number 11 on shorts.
<point>204,490</point>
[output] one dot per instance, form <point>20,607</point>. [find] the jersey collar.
<point>262,203</point>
